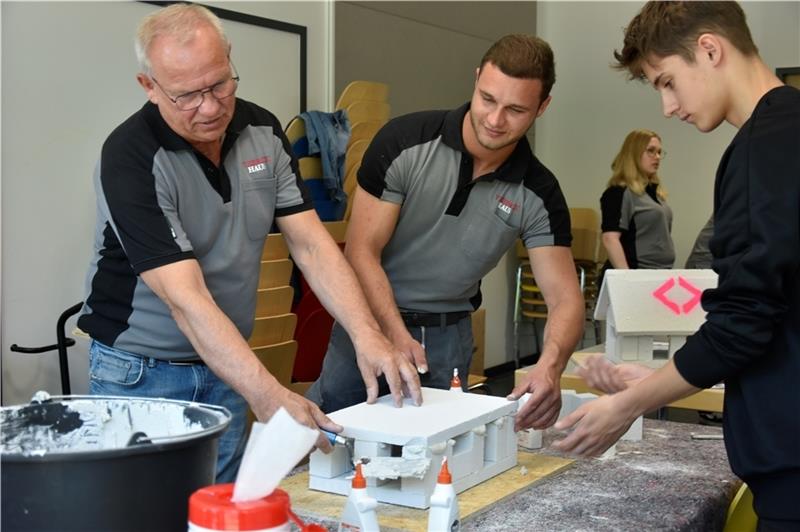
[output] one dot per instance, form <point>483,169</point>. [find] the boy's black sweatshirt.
<point>751,338</point>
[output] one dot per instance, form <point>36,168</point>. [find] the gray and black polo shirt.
<point>453,230</point>
<point>645,223</point>
<point>160,201</point>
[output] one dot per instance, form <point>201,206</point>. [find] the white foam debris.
<point>413,463</point>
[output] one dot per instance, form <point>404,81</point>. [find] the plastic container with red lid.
<point>211,510</point>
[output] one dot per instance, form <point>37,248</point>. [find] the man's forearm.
<point>562,332</point>
<point>335,284</point>
<point>219,343</point>
<point>379,294</point>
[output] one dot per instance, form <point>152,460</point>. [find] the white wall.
<point>68,72</point>
<point>594,107</point>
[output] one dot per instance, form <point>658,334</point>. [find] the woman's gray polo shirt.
<point>159,201</point>
<point>452,230</point>
<point>645,224</point>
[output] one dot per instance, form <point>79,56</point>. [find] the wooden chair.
<point>353,156</point>
<point>295,129</point>
<point>337,229</point>
<point>585,244</point>
<point>363,90</point>
<point>275,273</point>
<point>364,110</point>
<point>364,130</point>
<point>310,167</point>
<point>274,301</point>
<point>273,330</point>
<point>275,248</point>
<point>278,359</point>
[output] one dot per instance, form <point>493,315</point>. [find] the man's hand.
<point>304,412</point>
<point>542,408</point>
<point>597,425</point>
<point>376,356</point>
<point>411,349</point>
<point>599,373</point>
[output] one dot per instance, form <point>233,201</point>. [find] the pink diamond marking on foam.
<point>661,295</point>
<point>696,293</point>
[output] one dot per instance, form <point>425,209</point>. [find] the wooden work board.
<point>329,506</point>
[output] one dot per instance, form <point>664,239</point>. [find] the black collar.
<point>512,170</point>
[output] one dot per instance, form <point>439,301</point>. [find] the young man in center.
<point>702,60</point>
<point>441,197</point>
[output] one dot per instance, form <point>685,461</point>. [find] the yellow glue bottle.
<point>359,512</point>
<point>443,515</point>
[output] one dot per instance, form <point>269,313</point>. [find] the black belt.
<point>194,362</point>
<point>424,319</point>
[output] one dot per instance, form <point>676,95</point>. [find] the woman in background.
<point>637,221</point>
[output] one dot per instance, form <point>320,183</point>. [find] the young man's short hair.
<point>662,29</point>
<point>523,56</point>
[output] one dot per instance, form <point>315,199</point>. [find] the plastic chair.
<point>741,516</point>
<point>363,90</point>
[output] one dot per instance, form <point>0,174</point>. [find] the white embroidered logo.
<point>256,165</point>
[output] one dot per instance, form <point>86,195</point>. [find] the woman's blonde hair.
<point>626,168</point>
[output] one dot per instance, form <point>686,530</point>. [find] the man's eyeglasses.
<point>656,152</point>
<point>192,100</point>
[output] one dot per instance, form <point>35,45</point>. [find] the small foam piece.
<point>529,439</point>
<point>392,467</point>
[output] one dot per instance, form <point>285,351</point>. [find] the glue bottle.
<point>359,512</point>
<point>211,510</point>
<point>455,383</point>
<point>443,515</point>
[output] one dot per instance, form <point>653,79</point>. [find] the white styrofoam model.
<point>474,431</point>
<point>639,306</point>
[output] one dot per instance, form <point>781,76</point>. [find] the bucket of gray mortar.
<point>105,463</point>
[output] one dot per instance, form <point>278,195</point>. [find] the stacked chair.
<point>272,338</point>
<point>529,304</point>
<point>365,103</point>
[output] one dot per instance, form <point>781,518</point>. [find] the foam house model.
<point>403,447</point>
<point>640,306</point>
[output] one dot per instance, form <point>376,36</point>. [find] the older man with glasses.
<point>187,191</point>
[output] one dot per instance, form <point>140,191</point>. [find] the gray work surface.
<point>666,481</point>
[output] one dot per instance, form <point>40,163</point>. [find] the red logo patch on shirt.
<point>256,165</point>
<point>505,204</point>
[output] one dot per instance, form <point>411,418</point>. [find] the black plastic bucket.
<point>88,463</point>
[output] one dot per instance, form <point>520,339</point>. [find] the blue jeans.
<point>340,383</point>
<point>116,372</point>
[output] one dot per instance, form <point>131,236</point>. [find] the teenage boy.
<point>702,60</point>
